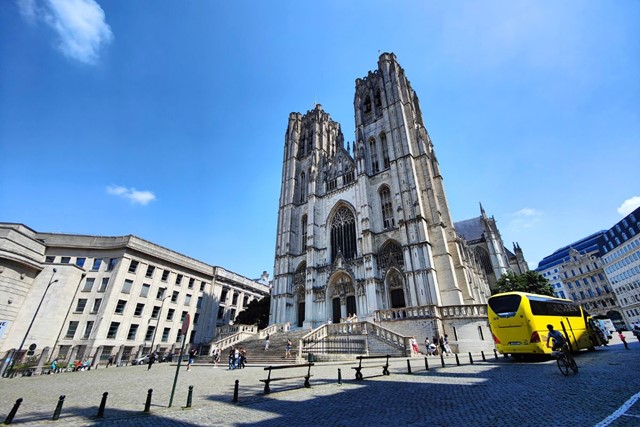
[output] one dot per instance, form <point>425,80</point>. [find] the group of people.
<point>439,345</point>
<point>237,357</point>
<point>287,349</point>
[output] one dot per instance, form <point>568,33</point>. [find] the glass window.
<point>160,293</point>
<point>96,305</point>
<point>184,314</point>
<point>388,220</point>
<point>165,334</point>
<point>170,314</point>
<point>120,306</point>
<point>202,285</point>
<point>133,330</point>
<point>234,300</point>
<point>65,260</point>
<point>96,264</point>
<point>154,313</point>
<point>112,264</point>
<point>174,296</point>
<point>80,262</point>
<point>103,284</point>
<point>113,330</point>
<point>139,309</point>
<point>199,303</point>
<point>49,259</point>
<point>126,287</point>
<point>149,335</point>
<point>165,275</point>
<point>87,329</point>
<point>196,317</point>
<point>82,302</point>
<point>133,266</point>
<point>71,330</point>
<point>145,290</point>
<point>220,312</point>
<point>178,279</point>
<point>88,284</point>
<point>191,282</point>
<point>150,270</point>
<point>303,227</point>
<point>187,299</point>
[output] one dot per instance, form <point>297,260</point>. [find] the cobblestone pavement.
<point>493,393</point>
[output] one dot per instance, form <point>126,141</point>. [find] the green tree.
<point>531,282</point>
<point>256,312</point>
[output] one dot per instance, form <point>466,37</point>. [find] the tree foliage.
<point>531,282</point>
<point>256,312</point>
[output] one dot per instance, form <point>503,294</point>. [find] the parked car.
<point>141,360</point>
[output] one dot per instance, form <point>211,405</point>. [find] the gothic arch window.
<point>303,228</point>
<point>378,98</point>
<point>367,104</point>
<point>303,187</point>
<point>387,207</point>
<point>373,154</point>
<point>343,234</point>
<point>299,276</point>
<point>385,150</point>
<point>390,255</point>
<point>483,258</point>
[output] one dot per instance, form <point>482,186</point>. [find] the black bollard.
<point>495,353</point>
<point>103,402</point>
<point>470,358</point>
<point>13,411</point>
<point>442,359</point>
<point>457,360</point>
<point>147,404</point>
<point>426,363</point>
<point>484,359</point>
<point>339,376</point>
<point>408,366</point>
<point>189,396</point>
<point>235,391</point>
<point>56,413</point>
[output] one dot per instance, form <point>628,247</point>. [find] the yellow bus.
<point>519,320</point>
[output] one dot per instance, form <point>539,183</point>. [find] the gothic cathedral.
<point>367,228</point>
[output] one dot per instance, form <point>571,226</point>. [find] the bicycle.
<point>565,360</point>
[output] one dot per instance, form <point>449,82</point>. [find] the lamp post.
<point>155,331</point>
<point>33,319</point>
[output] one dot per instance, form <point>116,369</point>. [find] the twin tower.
<point>367,228</point>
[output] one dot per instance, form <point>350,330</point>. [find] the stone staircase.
<point>275,355</point>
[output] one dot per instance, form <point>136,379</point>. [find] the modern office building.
<point>89,297</point>
<point>620,252</point>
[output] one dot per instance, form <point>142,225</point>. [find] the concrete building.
<point>102,296</point>
<point>368,231</point>
<point>620,251</point>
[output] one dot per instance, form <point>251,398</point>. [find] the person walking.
<point>152,359</point>
<point>414,346</point>
<point>110,361</point>
<point>232,358</point>
<point>192,357</point>
<point>267,342</point>
<point>623,339</point>
<point>216,356</point>
<point>287,350</point>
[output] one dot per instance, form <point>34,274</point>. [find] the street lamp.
<point>33,319</point>
<point>155,331</point>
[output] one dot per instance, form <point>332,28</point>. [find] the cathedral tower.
<point>369,231</point>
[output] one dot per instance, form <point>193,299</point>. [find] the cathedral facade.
<point>367,228</point>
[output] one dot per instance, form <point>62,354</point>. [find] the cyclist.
<point>558,338</point>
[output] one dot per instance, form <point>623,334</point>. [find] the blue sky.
<point>166,119</point>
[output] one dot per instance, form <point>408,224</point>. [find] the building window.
<point>202,285</point>
<point>96,264</point>
<point>373,153</point>
<point>71,330</point>
<point>65,260</point>
<point>126,287</point>
<point>82,302</point>
<point>187,299</point>
<point>154,313</point>
<point>220,312</point>
<point>178,279</point>
<point>343,234</point>
<point>160,293</point>
<point>165,334</point>
<point>139,309</point>
<point>387,208</point>
<point>234,300</point>
<point>367,104</point>
<point>120,306</point>
<point>303,187</point>
<point>133,330</point>
<point>80,262</point>
<point>112,264</point>
<point>174,296</point>
<point>49,259</point>
<point>245,301</point>
<point>385,151</point>
<point>103,284</point>
<point>195,318</point>
<point>113,330</point>
<point>150,270</point>
<point>199,303</point>
<point>170,314</point>
<point>223,295</point>
<point>96,305</point>
<point>165,275</point>
<point>303,227</point>
<point>133,266</point>
<point>149,334</point>
<point>183,315</point>
<point>191,282</point>
<point>88,284</point>
<point>145,290</point>
<point>87,329</point>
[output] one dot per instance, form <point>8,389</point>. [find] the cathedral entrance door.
<point>336,310</point>
<point>397,298</point>
<point>300,314</point>
<point>351,305</point>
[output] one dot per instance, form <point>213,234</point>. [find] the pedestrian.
<point>441,345</point>
<point>623,339</point>
<point>447,349</point>
<point>266,342</point>
<point>414,346</point>
<point>287,351</point>
<point>216,356</point>
<point>110,361</point>
<point>237,358</point>
<point>152,359</point>
<point>426,344</point>
<point>232,358</point>
<point>192,357</point>
<point>243,357</point>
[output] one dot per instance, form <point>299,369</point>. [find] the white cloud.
<point>80,25</point>
<point>525,218</point>
<point>138,197</point>
<point>629,205</point>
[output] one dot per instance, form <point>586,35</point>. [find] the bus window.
<point>505,305</point>
<point>548,307</point>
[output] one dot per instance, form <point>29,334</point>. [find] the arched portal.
<point>395,285</point>
<point>342,297</point>
<point>298,286</point>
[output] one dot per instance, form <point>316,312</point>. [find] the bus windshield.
<point>505,305</point>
